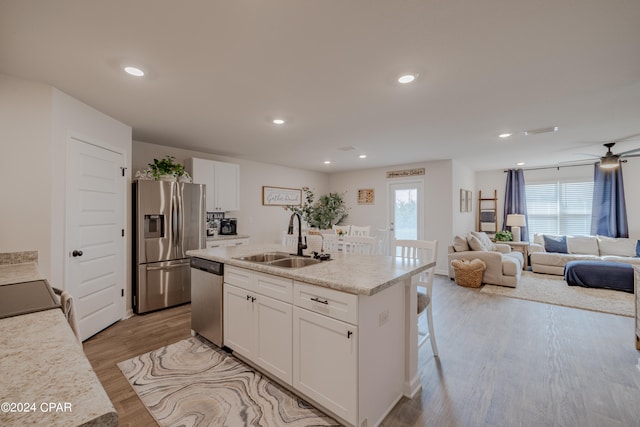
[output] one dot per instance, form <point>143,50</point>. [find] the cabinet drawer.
<point>239,277</point>
<point>275,287</point>
<point>329,302</point>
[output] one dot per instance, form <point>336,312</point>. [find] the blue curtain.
<point>515,200</point>
<point>609,210</point>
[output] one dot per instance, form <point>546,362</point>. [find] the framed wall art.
<point>280,196</point>
<point>366,196</point>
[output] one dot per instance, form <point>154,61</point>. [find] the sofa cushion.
<point>485,240</point>
<point>460,244</point>
<point>583,245</point>
<point>616,246</point>
<point>475,244</point>
<point>624,259</point>
<point>538,239</point>
<point>558,260</point>
<point>557,244</point>
<point>510,266</point>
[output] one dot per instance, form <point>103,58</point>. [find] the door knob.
<point>76,253</point>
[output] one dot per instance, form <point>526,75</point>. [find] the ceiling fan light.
<point>609,162</point>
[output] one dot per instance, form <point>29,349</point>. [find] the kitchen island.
<point>46,378</point>
<point>341,333</point>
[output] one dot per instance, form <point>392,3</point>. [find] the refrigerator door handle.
<point>167,267</point>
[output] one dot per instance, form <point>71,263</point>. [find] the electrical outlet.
<point>383,317</point>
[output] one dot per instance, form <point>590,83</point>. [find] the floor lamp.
<point>515,221</point>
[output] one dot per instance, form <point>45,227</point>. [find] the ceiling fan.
<point>611,160</point>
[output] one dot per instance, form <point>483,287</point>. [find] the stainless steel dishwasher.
<point>206,299</point>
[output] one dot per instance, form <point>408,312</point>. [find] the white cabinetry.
<point>258,319</point>
<point>341,351</point>
<point>222,180</point>
<point>218,243</point>
<point>325,361</point>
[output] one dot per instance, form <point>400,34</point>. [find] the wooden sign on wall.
<point>405,173</point>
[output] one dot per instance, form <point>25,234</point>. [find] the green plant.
<point>166,166</point>
<point>504,236</point>
<point>329,210</point>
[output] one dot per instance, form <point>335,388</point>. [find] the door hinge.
<point>123,169</point>
<point>123,232</point>
<point>121,292</point>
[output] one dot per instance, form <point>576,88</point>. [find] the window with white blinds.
<point>560,207</point>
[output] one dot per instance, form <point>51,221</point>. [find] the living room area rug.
<point>553,289</point>
<point>192,383</point>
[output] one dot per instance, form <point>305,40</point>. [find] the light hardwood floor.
<point>503,362</point>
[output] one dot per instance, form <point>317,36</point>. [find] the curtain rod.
<point>558,167</point>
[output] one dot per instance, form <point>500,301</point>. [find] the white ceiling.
<point>218,72</point>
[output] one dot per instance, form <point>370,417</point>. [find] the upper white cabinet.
<point>222,180</point>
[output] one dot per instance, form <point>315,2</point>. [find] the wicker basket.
<point>468,273</point>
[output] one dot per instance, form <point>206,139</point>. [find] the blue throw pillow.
<point>557,244</point>
<point>638,248</point>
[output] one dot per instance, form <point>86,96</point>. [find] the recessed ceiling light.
<point>134,71</point>
<point>505,135</point>
<point>278,121</point>
<point>406,78</point>
<point>363,156</point>
<point>327,162</point>
<point>520,163</point>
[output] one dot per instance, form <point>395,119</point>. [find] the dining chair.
<point>360,230</point>
<point>290,241</point>
<point>330,243</point>
<point>382,235</point>
<point>361,245</point>
<point>314,242</point>
<point>424,250</point>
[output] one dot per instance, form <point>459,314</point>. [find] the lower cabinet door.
<point>325,355</point>
<point>274,346</point>
<point>239,326</point>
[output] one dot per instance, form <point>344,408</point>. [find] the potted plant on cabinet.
<point>166,169</point>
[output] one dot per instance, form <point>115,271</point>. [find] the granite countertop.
<point>16,273</point>
<point>355,274</point>
<point>43,365</point>
<point>227,237</point>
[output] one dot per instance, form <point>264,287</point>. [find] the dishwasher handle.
<point>208,266</point>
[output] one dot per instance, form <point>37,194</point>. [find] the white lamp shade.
<point>515,220</point>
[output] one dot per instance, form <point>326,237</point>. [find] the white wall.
<point>264,224</point>
<point>438,198</point>
<point>72,117</point>
<point>487,181</point>
<point>463,178</point>
<point>25,168</point>
<point>35,120</point>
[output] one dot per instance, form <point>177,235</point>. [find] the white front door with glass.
<point>406,210</point>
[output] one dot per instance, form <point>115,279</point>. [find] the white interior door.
<point>406,211</point>
<point>94,235</point>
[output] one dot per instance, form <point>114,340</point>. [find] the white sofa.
<point>584,248</point>
<point>504,267</point>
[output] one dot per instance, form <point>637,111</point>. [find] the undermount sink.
<point>265,257</point>
<point>294,262</point>
<point>279,259</point>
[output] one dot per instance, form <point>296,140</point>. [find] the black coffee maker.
<point>228,226</point>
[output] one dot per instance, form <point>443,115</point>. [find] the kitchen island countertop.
<point>355,274</point>
<point>43,365</point>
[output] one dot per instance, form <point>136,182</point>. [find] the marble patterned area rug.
<point>192,383</point>
<point>553,289</point>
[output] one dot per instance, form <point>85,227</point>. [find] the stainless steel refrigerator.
<point>169,219</point>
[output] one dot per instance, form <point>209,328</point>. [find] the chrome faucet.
<point>301,246</point>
